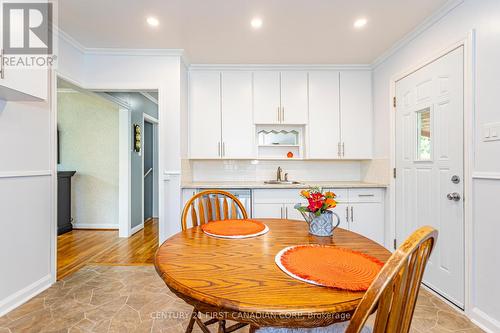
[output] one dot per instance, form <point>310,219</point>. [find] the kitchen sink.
<point>281,182</point>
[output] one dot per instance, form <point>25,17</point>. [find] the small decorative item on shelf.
<point>289,154</point>
<point>137,138</point>
<point>318,211</point>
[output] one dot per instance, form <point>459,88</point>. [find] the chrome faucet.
<point>278,174</point>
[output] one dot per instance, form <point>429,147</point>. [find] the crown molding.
<point>149,97</point>
<point>415,33</point>
<point>69,39</point>
<point>273,67</point>
<point>118,51</point>
<point>67,91</point>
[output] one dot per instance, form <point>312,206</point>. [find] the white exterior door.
<point>237,126</point>
<point>266,97</point>
<point>324,115</point>
<point>429,161</point>
<point>205,115</point>
<point>294,103</point>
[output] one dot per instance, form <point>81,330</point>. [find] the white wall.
<point>88,136</point>
<point>484,17</point>
<point>142,71</point>
<point>26,201</point>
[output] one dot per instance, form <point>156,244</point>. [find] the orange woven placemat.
<point>234,228</point>
<point>329,266</point>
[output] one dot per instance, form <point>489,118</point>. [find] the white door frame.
<point>124,170</point>
<point>468,42</point>
<point>146,118</point>
<point>125,196</point>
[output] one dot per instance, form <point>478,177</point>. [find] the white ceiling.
<point>218,31</point>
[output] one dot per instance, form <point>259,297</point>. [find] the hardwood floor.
<point>78,248</point>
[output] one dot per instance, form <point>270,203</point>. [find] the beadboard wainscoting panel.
<point>25,206</point>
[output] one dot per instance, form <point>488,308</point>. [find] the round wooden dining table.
<point>238,279</point>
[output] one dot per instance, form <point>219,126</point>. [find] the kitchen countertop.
<point>261,185</point>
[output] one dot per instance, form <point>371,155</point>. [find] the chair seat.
<point>335,328</point>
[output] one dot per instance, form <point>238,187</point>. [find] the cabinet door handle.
<point>282,114</point>
<point>338,150</point>
<point>347,214</point>
<point>218,149</point>
<point>281,214</point>
<point>366,195</point>
<point>278,113</point>
<point>286,213</point>
<point>343,149</point>
<point>223,149</point>
<point>352,214</point>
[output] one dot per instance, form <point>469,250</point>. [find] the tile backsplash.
<point>247,170</point>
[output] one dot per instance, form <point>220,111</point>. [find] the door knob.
<point>453,196</point>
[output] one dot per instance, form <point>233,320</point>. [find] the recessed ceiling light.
<point>153,21</point>
<point>360,23</point>
<point>256,22</point>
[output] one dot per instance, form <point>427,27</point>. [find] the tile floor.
<point>134,299</point>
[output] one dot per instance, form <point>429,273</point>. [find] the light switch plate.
<point>491,132</point>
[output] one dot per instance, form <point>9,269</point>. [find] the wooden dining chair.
<point>203,208</point>
<point>395,290</point>
<point>393,293</point>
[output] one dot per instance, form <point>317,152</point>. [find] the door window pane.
<point>424,142</point>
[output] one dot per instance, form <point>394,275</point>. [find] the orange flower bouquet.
<point>318,212</point>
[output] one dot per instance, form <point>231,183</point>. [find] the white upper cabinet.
<point>266,97</point>
<point>205,115</point>
<point>294,103</point>
<point>336,107</point>
<point>280,98</point>
<point>356,114</point>
<point>238,131</point>
<point>324,115</point>
<point>22,84</point>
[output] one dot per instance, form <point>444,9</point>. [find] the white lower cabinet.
<point>267,210</point>
<point>276,203</point>
<point>367,219</point>
<point>360,210</point>
<point>341,210</point>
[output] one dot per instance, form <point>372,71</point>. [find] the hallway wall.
<point>140,105</point>
<point>88,133</point>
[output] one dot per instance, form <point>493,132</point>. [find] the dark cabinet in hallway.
<point>64,201</point>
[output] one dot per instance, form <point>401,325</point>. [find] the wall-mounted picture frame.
<point>137,138</point>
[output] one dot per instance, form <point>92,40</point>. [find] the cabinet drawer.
<point>341,193</point>
<point>366,195</point>
<point>280,196</point>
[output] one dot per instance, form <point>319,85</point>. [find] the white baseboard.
<point>136,228</point>
<point>22,296</point>
<point>485,322</point>
<point>94,226</point>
